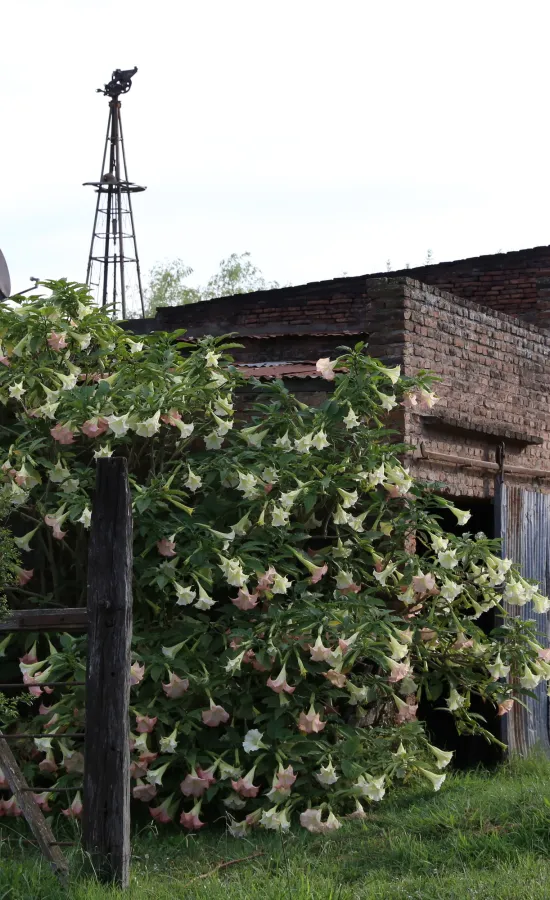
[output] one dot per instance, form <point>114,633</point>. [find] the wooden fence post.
<point>106,815</point>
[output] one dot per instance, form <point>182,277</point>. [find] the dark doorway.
<point>469,751</point>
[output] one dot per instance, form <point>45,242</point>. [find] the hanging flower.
<point>284,442</point>
<point>422,584</point>
<point>443,757</point>
<point>346,584</point>
<point>280,584</point>
<point>498,669</point>
<point>176,686</point>
<point>165,812</point>
<point>214,716</point>
<point>23,576</point>
<point>319,653</point>
<point>194,482</point>
<point>505,706</point>
<point>95,427</point>
<point>245,787</point>
<point>190,820</point>
<point>148,427</point>
<point>327,775</point>
<point>144,792</point>
<point>193,785</point>
<point>406,712</point>
<point>462,516</point>
<point>57,341</point>
<point>253,741</point>
<point>393,374</point>
<point>351,420</point>
<point>205,601</point>
<point>455,700</point>
<point>310,722</point>
<point>436,780</point>
<point>136,673</point>
<point>370,787</point>
<point>86,517</point>
<point>311,820</point>
<point>325,368</point>
<point>168,744</point>
<point>62,433</point>
<point>447,559</point>
<point>145,724</point>
<point>319,440</point>
<point>245,600</point>
<point>103,452</point>
<point>338,679</point>
<point>75,809</point>
<point>280,683</point>
<point>167,546</point>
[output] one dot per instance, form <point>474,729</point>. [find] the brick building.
<point>480,325</point>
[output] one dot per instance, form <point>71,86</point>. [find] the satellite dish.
<point>5,283</point>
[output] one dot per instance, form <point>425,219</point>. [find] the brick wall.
<point>495,386</point>
<point>516,283</point>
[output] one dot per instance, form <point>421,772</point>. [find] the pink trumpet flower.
<point>191,819</point>
<point>318,573</point>
<point>136,673</point>
<point>10,808</point>
<point>245,600</point>
<point>144,792</point>
<point>505,706</point>
<point>285,779</point>
<point>176,686</point>
<point>193,785</point>
<point>266,580</point>
<point>75,809</point>
<point>57,341</point>
<point>30,658</point>
<point>245,787</point>
<point>166,547</point>
<point>24,576</point>
<point>171,417</point>
<point>62,434</point>
<point>215,715</point>
<point>280,683</point>
<point>95,427</point>
<point>162,813</point>
<point>207,774</point>
<point>42,801</point>
<point>48,764</point>
<point>310,722</point>
<point>145,724</point>
<point>138,769</point>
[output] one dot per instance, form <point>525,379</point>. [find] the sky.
<point>322,137</point>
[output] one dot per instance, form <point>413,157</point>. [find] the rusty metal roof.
<point>278,369</point>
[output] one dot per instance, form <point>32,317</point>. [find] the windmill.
<point>113,262</point>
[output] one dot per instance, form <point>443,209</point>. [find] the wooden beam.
<point>469,462</point>
<point>32,812</point>
<point>70,619</point>
<point>106,822</point>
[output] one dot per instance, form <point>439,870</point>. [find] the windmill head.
<point>5,282</point>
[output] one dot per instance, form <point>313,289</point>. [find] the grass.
<point>484,836</point>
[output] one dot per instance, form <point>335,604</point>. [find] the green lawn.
<point>484,836</point>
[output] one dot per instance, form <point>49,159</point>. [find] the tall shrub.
<point>295,594</point>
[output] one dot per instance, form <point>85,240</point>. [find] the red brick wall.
<point>516,283</point>
<point>495,375</point>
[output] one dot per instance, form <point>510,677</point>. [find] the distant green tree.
<point>168,284</point>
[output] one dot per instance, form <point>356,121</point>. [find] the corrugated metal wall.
<point>523,522</point>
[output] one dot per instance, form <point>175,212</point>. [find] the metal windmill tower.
<point>113,263</point>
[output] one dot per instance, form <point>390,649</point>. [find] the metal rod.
<point>21,687</point>
<point>89,271</point>
<point>119,201</point>
<point>63,734</point>
<point>130,210</point>
<point>43,790</point>
<point>112,119</point>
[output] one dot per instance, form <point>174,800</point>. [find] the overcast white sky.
<point>323,137</point>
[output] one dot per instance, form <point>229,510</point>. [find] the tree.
<point>236,275</point>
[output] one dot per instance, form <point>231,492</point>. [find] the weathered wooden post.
<point>106,815</point>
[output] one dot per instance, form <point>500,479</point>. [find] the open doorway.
<point>469,751</point>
